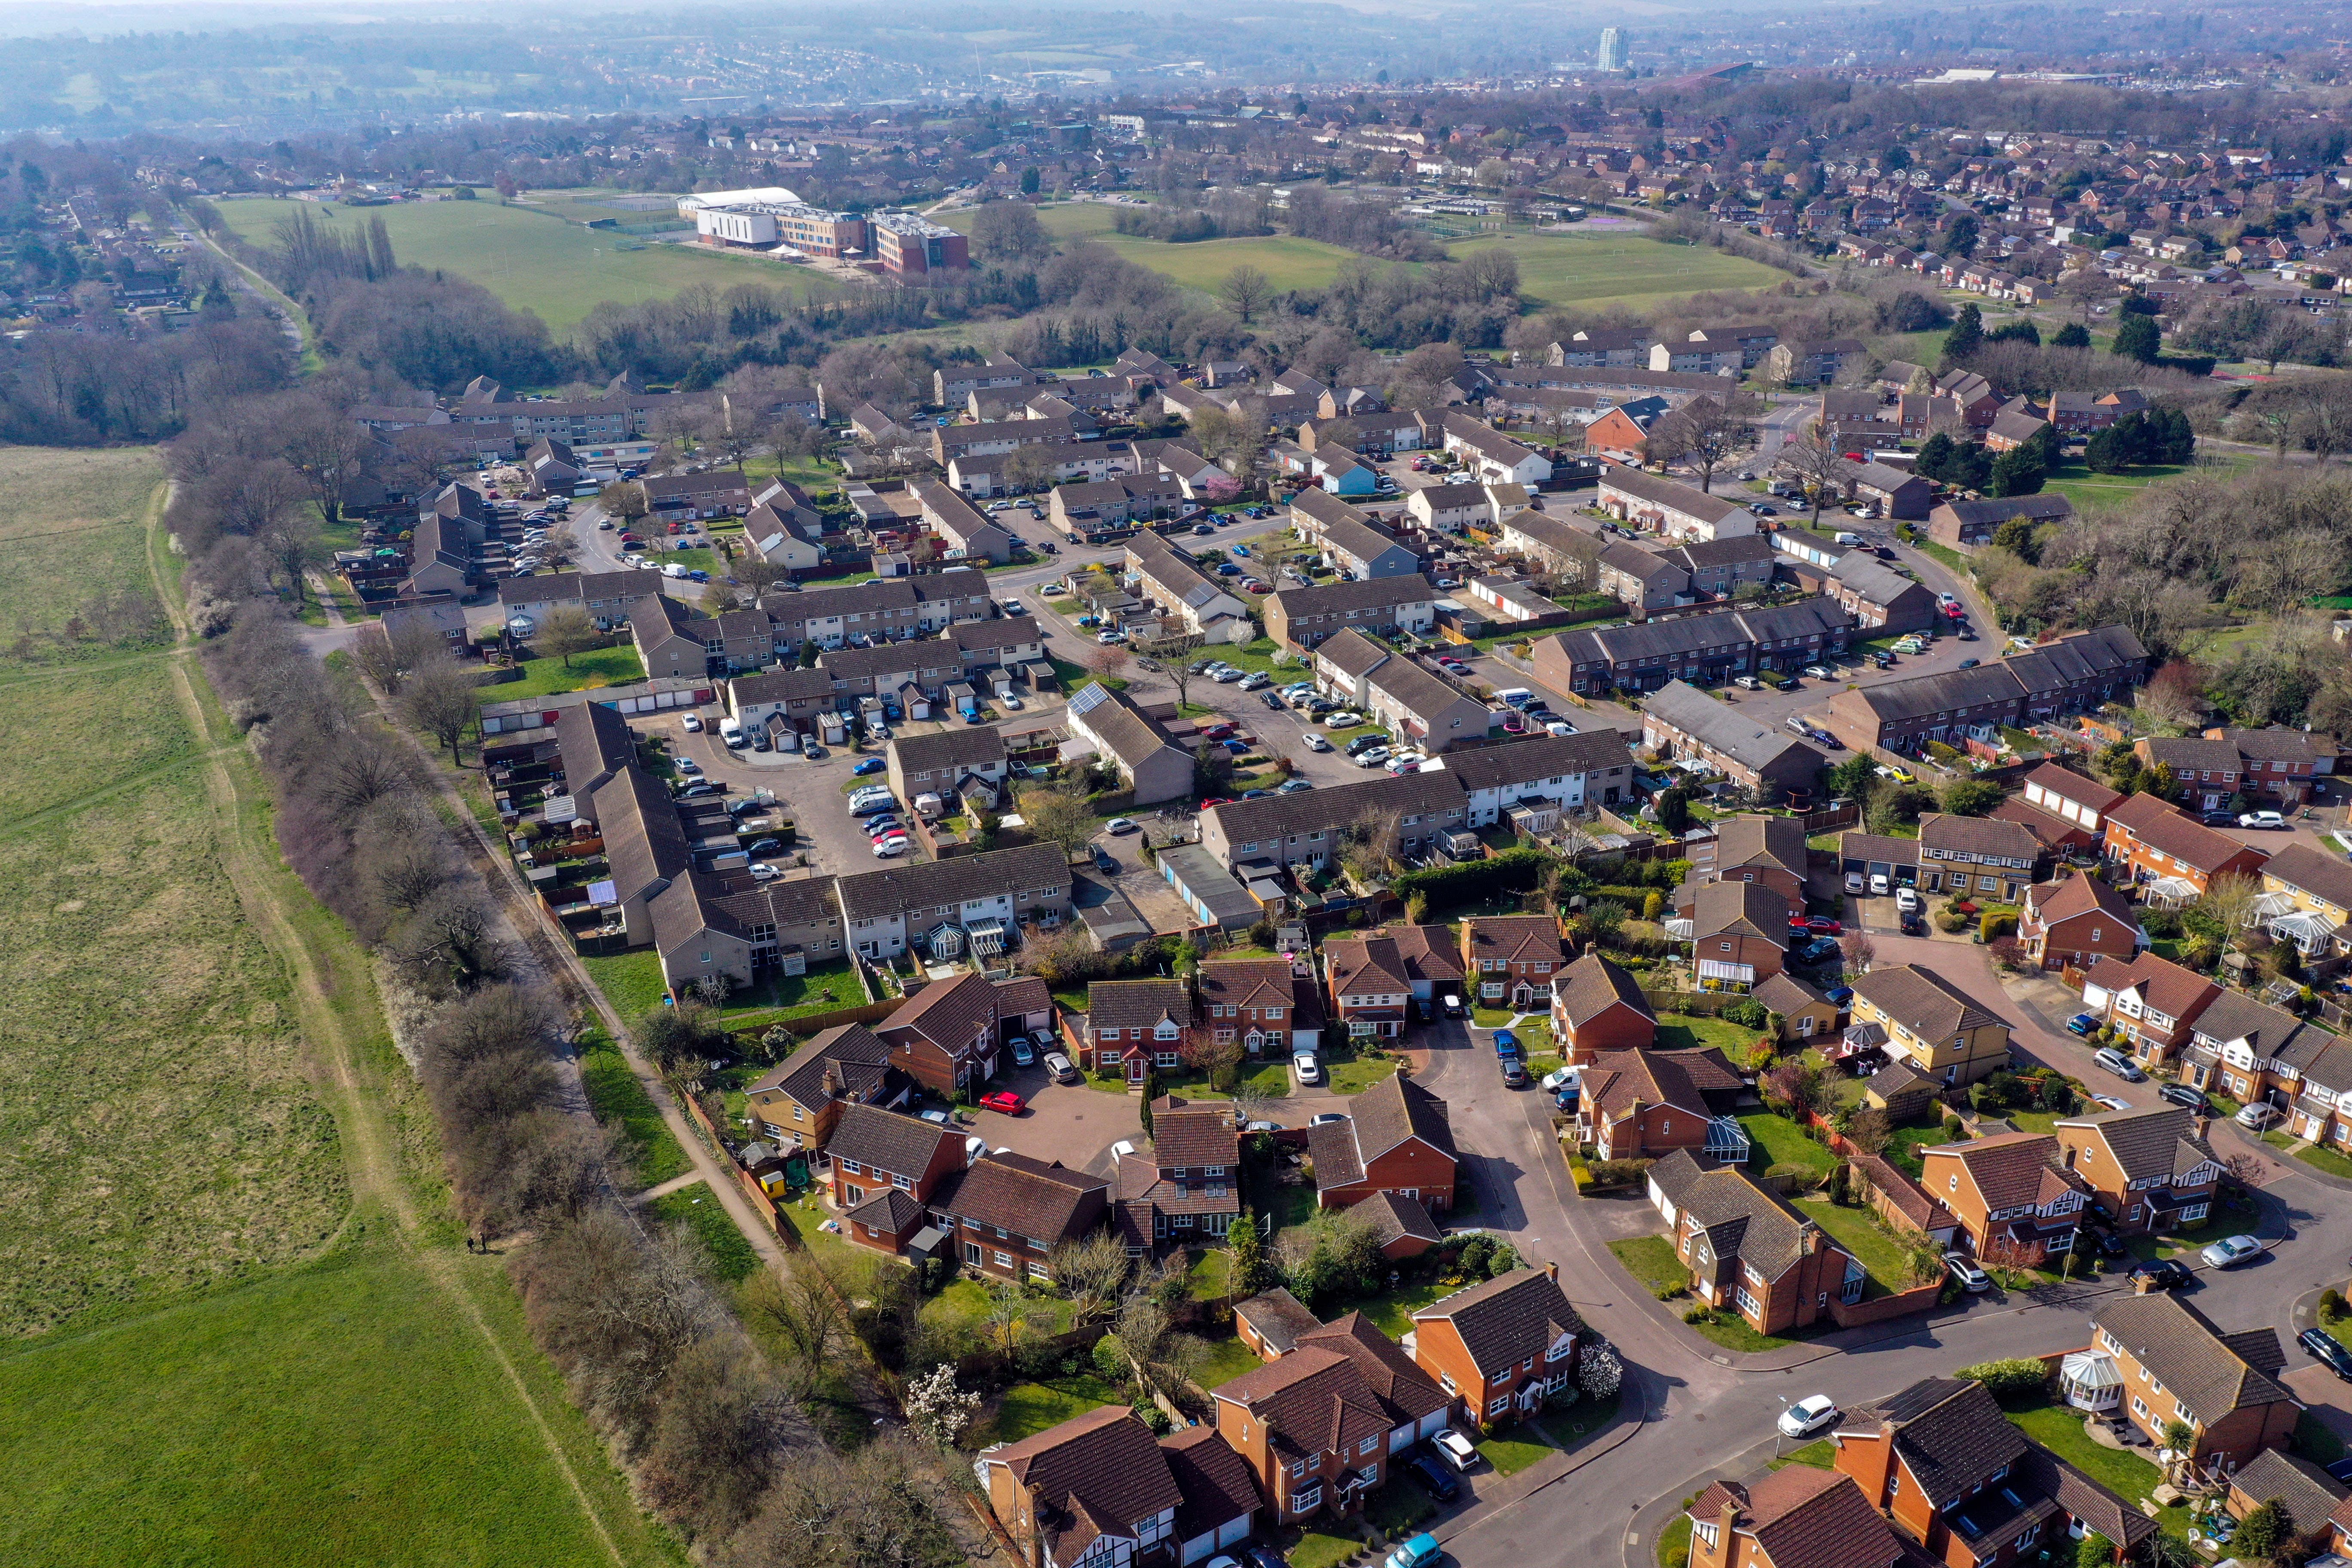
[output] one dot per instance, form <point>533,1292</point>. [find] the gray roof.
<point>1119,724</point>
<point>1421,691</point>
<point>1895,701</point>
<point>1508,1319</point>
<point>1681,498</point>
<point>2308,1492</point>
<point>644,844</point>
<point>1536,758</point>
<point>594,742</point>
<point>1278,815</point>
<point>1353,653</point>
<point>1922,1001</point>
<point>1278,1317</point>
<point>2234,1015</point>
<point>1174,570</point>
<point>2322,876</point>
<point>1371,593</point>
<point>1724,729</point>
<point>895,890</point>
<point>2047,507</point>
<point>2211,1373</point>
<point>959,748</point>
<point>886,1141</point>
<point>1874,581</point>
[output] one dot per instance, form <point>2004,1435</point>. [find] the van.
<point>732,733</point>
<point>1845,538</point>
<point>1516,696</point>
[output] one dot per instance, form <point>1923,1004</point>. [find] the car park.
<point>1807,1415</point>
<point>1966,1274</point>
<point>1002,1100</point>
<point>2231,1251</point>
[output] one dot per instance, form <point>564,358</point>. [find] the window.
<point>1368,1444</point>
<point>1705,1532</point>
<point>1499,1404</point>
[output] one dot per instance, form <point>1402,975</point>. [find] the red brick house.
<point>1370,990</point>
<point>1511,959</point>
<point>2280,763</point>
<point>1187,1190</point>
<point>1501,1347</point>
<point>1135,1026</point>
<point>1767,849</point>
<point>1739,935</point>
<point>1248,999</point>
<point>2147,1169</point>
<point>2063,924</point>
<point>1009,1212</point>
<point>1401,1227</point>
<point>2151,1003</point>
<point>2170,855</point>
<point>1396,1138</point>
<point>947,1033</point>
<point>1799,1517</point>
<point>1597,1007</point>
<point>2015,1199</point>
<point>1747,1249</point>
<point>885,1169</point>
<point>1431,963</point>
<point>1647,1104</point>
<point>1311,1430</point>
<point>1096,1489</point>
<point>1957,1480</point>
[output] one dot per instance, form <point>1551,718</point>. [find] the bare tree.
<point>1174,652</point>
<point>1248,291</point>
<point>1706,431</point>
<point>1814,462</point>
<point>1059,816</point>
<point>1370,848</point>
<point>1092,1271</point>
<point>1858,950</point>
<point>625,501</point>
<point>371,650</point>
<point>568,630</point>
<point>441,699</point>
<point>759,573</point>
<point>2230,901</point>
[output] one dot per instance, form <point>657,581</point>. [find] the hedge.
<point>2009,1379</point>
<point>1515,870</point>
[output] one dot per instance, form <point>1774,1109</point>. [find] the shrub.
<point>1152,1416</point>
<point>1749,1013</point>
<point>2331,1305</point>
<point>2012,1379</point>
<point>1993,927</point>
<point>1110,1362</point>
<point>1698,1314</point>
<point>1948,922</point>
<point>1953,1131</point>
<point>1620,1173</point>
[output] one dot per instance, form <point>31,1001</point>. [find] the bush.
<point>1948,922</point>
<point>1152,1416</point>
<point>1748,1013</point>
<point>1993,927</point>
<point>2013,1379</point>
<point>1953,1131</point>
<point>1513,870</point>
<point>2331,1305</point>
<point>1110,1362</point>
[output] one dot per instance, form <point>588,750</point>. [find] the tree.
<point>2095,1550</point>
<point>2137,338</point>
<point>1212,771</point>
<point>1853,777</point>
<point>1108,660</point>
<point>1673,807</point>
<point>625,500</point>
<point>1971,797</point>
<point>939,1410</point>
<point>1059,816</point>
<point>1173,653</point>
<point>2073,335</point>
<point>2017,472</point>
<point>1599,1372</point>
<point>1705,432</point>
<point>2229,901</point>
<point>2263,1533</point>
<point>441,698</point>
<point>1965,334</point>
<point>1092,1272</point>
<point>567,630</point>
<point>1246,1256</point>
<point>1818,466</point>
<point>1006,231</point>
<point>807,1320</point>
<point>1870,1130</point>
<point>1247,290</point>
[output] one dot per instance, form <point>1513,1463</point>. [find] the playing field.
<point>534,261</point>
<point>235,1324</point>
<point>1575,268</point>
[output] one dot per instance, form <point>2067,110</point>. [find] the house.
<point>1896,492</point>
<point>1096,1491</point>
<point>1569,547</point>
<point>1750,848</point>
<point>2065,923</point>
<point>2063,809</point>
<point>1967,524</point>
<point>1981,856</point>
<point>1502,1347</point>
<point>2210,772</point>
<point>1493,456</point>
<point>1678,720</point>
<point>2249,1051</point>
<point>714,492</point>
<point>1930,1023</point>
<point>2169,855</point>
<point>1597,1007</point>
<point>2148,1169</point>
<point>1312,1432</point>
<point>1798,1517</point>
<point>1739,935</point>
<point>1306,828</point>
<point>2150,1003</point>
<point>1431,966</point>
<point>1569,773</point>
<point>942,763</point>
<point>2281,764</point>
<point>1134,1026</point>
<point>1719,568</point>
<point>1396,1138</point>
<point>708,926</point>
<point>1349,540</point>
<point>1419,702</point>
<point>1814,363</point>
<point>948,1034</point>
<point>604,595</point>
<point>1645,1104</point>
<point>2176,1366</point>
<point>1663,506</point>
<point>1187,1190</point>
<point>2308,895</point>
<point>1448,508</point>
<point>2013,427</point>
<point>1369,991</point>
<point>1401,1227</point>
<point>1341,471</point>
<point>1969,1489</point>
<point>1010,1212</point>
<point>796,1103</point>
<point>2076,673</point>
<point>1879,596</point>
<point>1302,617</point>
<point>2012,1195</point>
<point>978,898</point>
<point>1904,715</point>
<point>1623,434</point>
<point>1716,646</point>
<point>884,1168</point>
<point>1641,580</point>
<point>1748,1250</point>
<point>1166,578</point>
<point>1249,1000</point>
<point>445,621</point>
<point>1151,765</point>
<point>1511,958</point>
<point>1807,1017</point>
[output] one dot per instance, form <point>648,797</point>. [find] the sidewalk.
<point>1498,1493</point>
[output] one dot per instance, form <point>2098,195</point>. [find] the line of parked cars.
<point>884,827</point>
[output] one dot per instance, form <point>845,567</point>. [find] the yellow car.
<point>1899,775</point>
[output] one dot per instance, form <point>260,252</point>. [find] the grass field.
<point>236,1325</point>
<point>731,1258</point>
<point>547,677</point>
<point>533,260</point>
<point>72,527</point>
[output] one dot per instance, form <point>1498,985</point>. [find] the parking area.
<point>1070,1122</point>
<point>828,838</point>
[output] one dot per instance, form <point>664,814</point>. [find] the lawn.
<point>73,525</point>
<point>1585,267</point>
<point>2318,1158</point>
<point>621,1103</point>
<point>966,1303</point>
<point>1651,1260</point>
<point>2081,486</point>
<point>2060,1430</point>
<point>1821,1456</point>
<point>1673,1542</point>
<point>1902,1151</point>
<point>327,1414</point>
<point>731,1256</point>
<point>1857,1230</point>
<point>1228,1359</point>
<point>1289,263</point>
<point>1515,1447</point>
<point>1392,1311</point>
<point>1783,1142</point>
<point>632,981</point>
<point>1027,1408</point>
<point>1729,1330</point>
<point>1211,1275</point>
<point>1355,1074</point>
<point>587,671</point>
<point>533,260</point>
<point>825,988</point>
<point>1679,1032</point>
<point>1558,1430</point>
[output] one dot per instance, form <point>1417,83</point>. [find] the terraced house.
<point>1309,828</point>
<point>1705,649</point>
<point>1980,856</point>
<point>944,905</point>
<point>2171,857</point>
<point>1303,617</point>
<point>1567,773</point>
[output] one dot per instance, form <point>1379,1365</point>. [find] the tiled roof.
<point>1278,1318</point>
<point>1895,701</point>
<point>2182,1349</point>
<point>2151,1141</point>
<point>2166,827</point>
<point>1593,985</point>
<point>1699,1081</point>
<point>1421,692</point>
<point>1539,758</point>
<point>2013,1170</point>
<point>2233,1016</point>
<point>2282,746</point>
<point>1393,1110</point>
<point>1351,653</point>
<point>1371,593</point>
<point>951,1013</point>
<point>1138,1003</point>
<point>1977,836</point>
<point>1950,1434</point>
<point>1311,1402</point>
<point>1103,1464</point>
<point>886,1141</point>
<point>1515,939</point>
<point>1805,1517</point>
<point>594,742</point>
<point>1921,1000</point>
<point>1332,1146</point>
<point>897,888</point>
<point>1749,909</point>
<point>1427,953</point>
<point>1245,983</point>
<point>2168,988</point>
<point>1747,1221</point>
<point>1401,1386</point>
<point>2051,902</point>
<point>1429,795</point>
<point>1192,1137</point>
<point>1669,493</point>
<point>1119,724</point>
<point>1394,1216</point>
<point>1507,1319</point>
<point>1213,1480</point>
<point>2307,1490</point>
<point>856,1057</point>
<point>957,748</point>
<point>2189,756</point>
<point>645,844</point>
<point>2302,868</point>
<point>1364,963</point>
<point>1029,1198</point>
<point>1723,729</point>
<point>1761,840</point>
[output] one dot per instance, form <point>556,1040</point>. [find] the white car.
<point>1971,1279</point>
<point>1109,638</point>
<point>2231,1251</point>
<point>2255,1117</point>
<point>1317,744</point>
<point>1059,1066</point>
<point>693,724</point>
<point>1308,1069</point>
<point>1119,825</point>
<point>1120,1150</point>
<point>2261,819</point>
<point>1342,720</point>
<point>1807,1415</point>
<point>1227,675</point>
<point>1454,1448</point>
<point>889,848</point>
<point>764,872</point>
<point>1559,727</point>
<point>1820,672</point>
<point>1373,758</point>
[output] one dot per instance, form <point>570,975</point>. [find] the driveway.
<point>1070,1122</point>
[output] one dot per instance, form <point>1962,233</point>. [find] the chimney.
<point>1551,1273</point>
<point>1725,1518</point>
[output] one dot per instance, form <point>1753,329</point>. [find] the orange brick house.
<point>2169,855</point>
<point>1311,1430</point>
<point>2016,1201</point>
<point>1010,1211</point>
<point>2151,1003</point>
<point>1396,1138</point>
<point>2176,1366</point>
<point>2064,923</point>
<point>1511,959</point>
<point>1747,1249</point>
<point>1597,1007</point>
<point>1370,994</point>
<point>1799,1517</point>
<point>1248,999</point>
<point>1647,1104</point>
<point>885,1168</point>
<point>2146,1168</point>
<point>1098,1489</point>
<point>1957,1480</point>
<point>1501,1347</point>
<point>1767,849</point>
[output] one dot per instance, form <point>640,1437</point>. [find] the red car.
<point>1218,731</point>
<point>1822,925</point>
<point>1219,800</point>
<point>1004,1100</point>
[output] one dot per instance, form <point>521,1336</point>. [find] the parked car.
<point>2160,1274</point>
<point>2082,1024</point>
<point>1419,1553</point>
<point>2261,819</point>
<point>1309,1070</point>
<point>1024,1055</point>
<point>1507,1044</point>
<point>2184,1095</point>
<point>1564,1080</point>
<point>2122,1066</point>
<point>693,723</point>
<point>1059,1066</point>
<point>2231,1251</point>
<point>870,765</point>
<point>1433,1479</point>
<point>1515,1073</point>
<point>1456,1450</point>
<point>1970,1277</point>
<point>2255,1117</point>
<point>1807,1415</point>
<point>1004,1100</point>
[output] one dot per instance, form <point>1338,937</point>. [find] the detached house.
<point>1956,1479</point>
<point>1096,1491</point>
<point>1249,1000</point>
<point>2150,1003</point>
<point>886,1167</point>
<point>1313,1434</point>
<point>947,1033</point>
<point>1396,1138</point>
<point>1370,991</point>
<point>1929,1024</point>
<point>1645,1104</point>
<point>1502,1347</point>
<point>1597,1007</point>
<point>2176,1366</point>
<point>1135,1026</point>
<point>1431,966</point>
<point>1799,1517</point>
<point>2065,924</point>
<point>1747,1249</point>
<point>1010,1212</point>
<point>2146,1168</point>
<point>798,1102</point>
<point>1187,1189</point>
<point>1511,958</point>
<point>1767,849</point>
<point>2012,1193</point>
<point>1740,934</point>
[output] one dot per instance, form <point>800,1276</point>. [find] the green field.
<point>236,1323</point>
<point>72,526</point>
<point>533,260</point>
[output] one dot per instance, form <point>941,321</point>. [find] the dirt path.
<point>329,990</point>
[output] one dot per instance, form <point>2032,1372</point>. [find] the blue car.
<point>1507,1044</point>
<point>2082,1024</point>
<point>1839,995</point>
<point>870,765</point>
<point>698,576</point>
<point>1419,1553</point>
